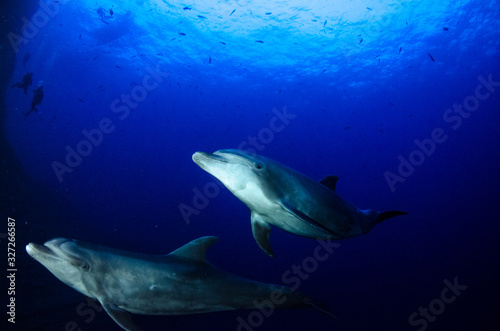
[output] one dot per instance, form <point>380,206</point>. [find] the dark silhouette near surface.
<point>37,98</point>
<point>24,83</point>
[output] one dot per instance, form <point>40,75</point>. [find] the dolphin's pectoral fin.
<point>322,308</point>
<point>121,317</point>
<point>382,216</point>
<point>261,231</point>
<point>330,182</point>
<point>306,219</point>
<point>195,250</point>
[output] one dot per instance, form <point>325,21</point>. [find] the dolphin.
<point>182,282</point>
<point>282,197</point>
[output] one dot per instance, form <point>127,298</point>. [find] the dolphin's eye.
<point>258,166</point>
<point>85,266</point>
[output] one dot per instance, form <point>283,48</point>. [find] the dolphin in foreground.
<point>182,282</point>
<point>282,197</point>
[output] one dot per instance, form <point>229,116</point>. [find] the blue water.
<point>132,95</point>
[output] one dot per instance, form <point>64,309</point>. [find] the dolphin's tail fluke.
<point>382,216</point>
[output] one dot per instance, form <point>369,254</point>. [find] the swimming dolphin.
<point>282,197</point>
<point>182,282</point>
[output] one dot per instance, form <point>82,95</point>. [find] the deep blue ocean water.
<point>399,99</point>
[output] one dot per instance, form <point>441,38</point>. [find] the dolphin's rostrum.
<point>282,197</point>
<point>182,282</point>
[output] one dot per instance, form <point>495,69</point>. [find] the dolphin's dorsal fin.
<point>195,250</point>
<point>330,182</point>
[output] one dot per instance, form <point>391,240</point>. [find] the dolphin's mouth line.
<point>49,253</point>
<point>218,158</point>
<point>42,249</point>
<point>210,156</point>
<point>42,252</point>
